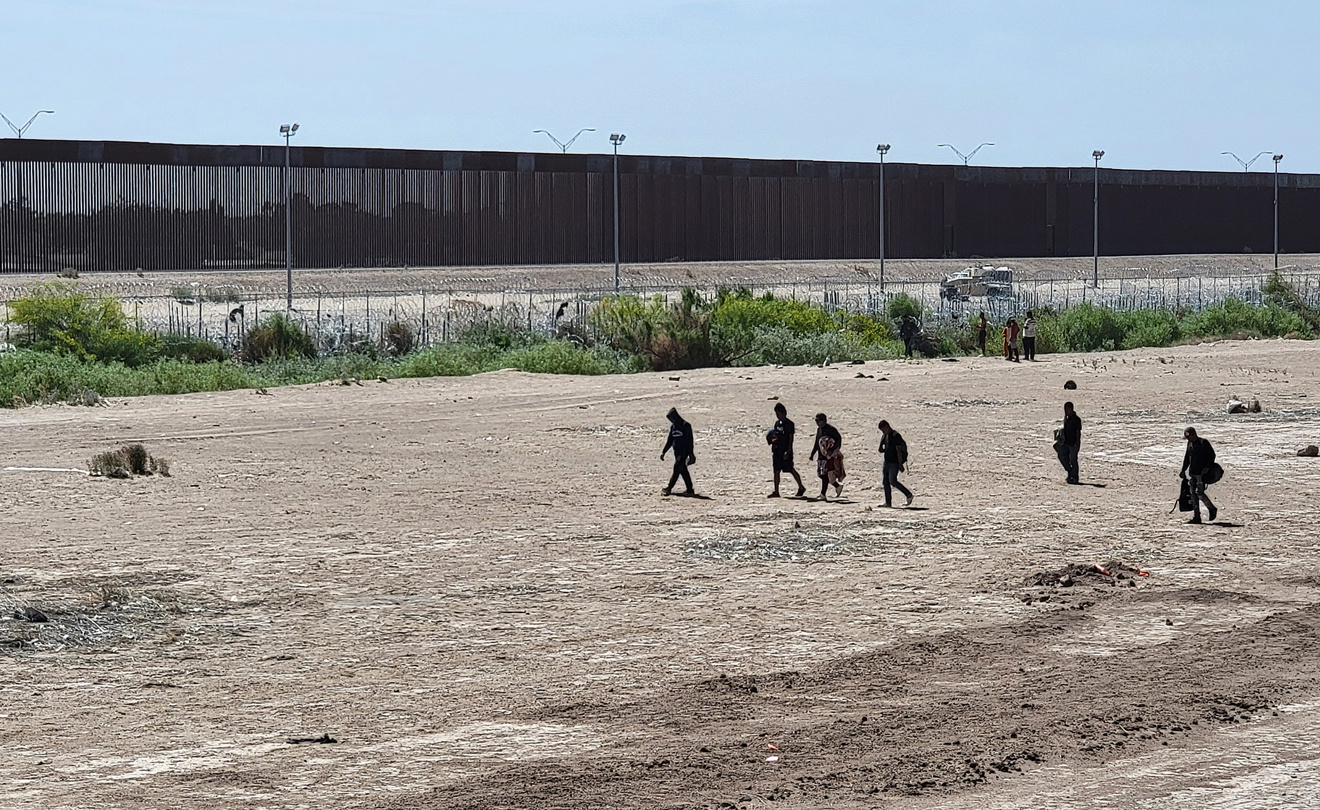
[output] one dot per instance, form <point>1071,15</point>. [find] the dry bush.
<point>400,339</point>
<point>127,461</point>
<point>108,465</point>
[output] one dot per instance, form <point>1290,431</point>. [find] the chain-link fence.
<point>340,321</point>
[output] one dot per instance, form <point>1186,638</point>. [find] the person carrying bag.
<point>1199,470</point>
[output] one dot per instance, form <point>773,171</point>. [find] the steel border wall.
<point>115,206</point>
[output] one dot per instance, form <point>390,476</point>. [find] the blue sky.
<point>1157,84</point>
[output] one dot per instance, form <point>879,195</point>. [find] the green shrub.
<point>448,360</point>
<point>950,339</point>
<point>57,318</point>
<point>672,336</point>
<point>494,333</point>
<point>901,304</point>
<point>1234,317</point>
<point>400,339</point>
<point>29,376</point>
<point>560,357</point>
<point>276,337</point>
<point>779,345</point>
<point>195,350</point>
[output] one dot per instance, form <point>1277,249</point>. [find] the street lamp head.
<point>617,138</point>
<point>1277,158</point>
<point>1097,154</point>
<point>882,148</point>
<point>288,129</point>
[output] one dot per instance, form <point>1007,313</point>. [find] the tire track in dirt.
<point>937,716</point>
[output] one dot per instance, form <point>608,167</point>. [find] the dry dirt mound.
<point>1110,573</point>
<point>931,717</point>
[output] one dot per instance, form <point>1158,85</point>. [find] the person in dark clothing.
<point>1197,461</point>
<point>781,449</point>
<point>982,329</point>
<point>828,452</point>
<point>894,452</point>
<point>682,443</point>
<point>1071,443</point>
<point>908,330</point>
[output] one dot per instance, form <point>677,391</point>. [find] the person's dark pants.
<point>680,469</point>
<point>1068,455</point>
<point>891,483</point>
<point>1198,493</point>
<point>980,342</point>
<point>1029,347</point>
<point>908,340</point>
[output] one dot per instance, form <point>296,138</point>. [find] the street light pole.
<point>616,139</point>
<point>563,145</point>
<point>20,130</point>
<point>288,130</point>
<point>1276,159</point>
<point>882,149</point>
<point>1095,213</point>
<point>967,157</point>
<point>1246,164</point>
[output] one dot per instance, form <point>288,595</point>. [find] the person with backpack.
<point>1199,469</point>
<point>780,439</point>
<point>683,443</point>
<point>894,452</point>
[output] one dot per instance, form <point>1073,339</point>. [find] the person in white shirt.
<point>1029,336</point>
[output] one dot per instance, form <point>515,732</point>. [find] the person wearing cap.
<point>1197,461</point>
<point>682,442</point>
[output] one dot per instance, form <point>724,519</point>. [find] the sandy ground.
<point>475,587</point>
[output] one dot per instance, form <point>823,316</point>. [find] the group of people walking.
<point>826,451</point>
<point>1199,469</point>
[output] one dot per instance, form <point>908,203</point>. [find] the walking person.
<point>780,439</point>
<point>894,453</point>
<point>1070,443</point>
<point>982,330</point>
<point>1029,336</point>
<point>682,442</point>
<point>908,330</point>
<point>1014,331</point>
<point>828,453</point>
<point>1199,469</point>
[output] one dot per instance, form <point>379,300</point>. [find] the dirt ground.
<point>475,588</point>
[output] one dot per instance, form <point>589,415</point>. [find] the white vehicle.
<point>986,281</point>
